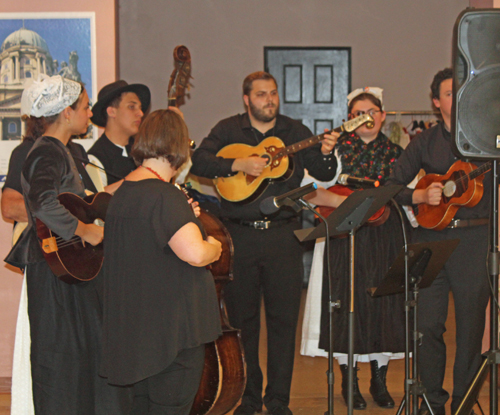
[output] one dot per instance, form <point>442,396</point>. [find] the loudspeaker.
<point>475,120</point>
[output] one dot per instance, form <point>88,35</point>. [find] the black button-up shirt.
<point>238,129</point>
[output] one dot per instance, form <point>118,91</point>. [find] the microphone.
<point>345,180</point>
<point>273,203</point>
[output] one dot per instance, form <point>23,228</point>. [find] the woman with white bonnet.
<point>65,319</point>
<point>379,327</point>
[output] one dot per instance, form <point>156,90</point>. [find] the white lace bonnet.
<point>49,96</point>
<point>372,90</point>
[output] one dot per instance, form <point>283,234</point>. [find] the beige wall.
<point>10,281</point>
<point>397,45</point>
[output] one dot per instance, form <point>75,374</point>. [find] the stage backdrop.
<point>86,51</point>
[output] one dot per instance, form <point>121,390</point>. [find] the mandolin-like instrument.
<point>73,260</point>
<point>243,187</point>
<point>463,187</point>
<point>377,219</point>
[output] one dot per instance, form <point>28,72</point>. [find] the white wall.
<point>396,44</point>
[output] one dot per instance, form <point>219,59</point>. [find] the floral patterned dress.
<point>379,322</point>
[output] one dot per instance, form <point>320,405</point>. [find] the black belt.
<point>264,224</point>
<point>464,223</point>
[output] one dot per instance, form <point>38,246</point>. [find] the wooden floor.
<point>309,388</point>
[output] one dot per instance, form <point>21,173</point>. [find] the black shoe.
<point>357,402</point>
<point>378,388</point>
<point>279,410</point>
<point>246,410</point>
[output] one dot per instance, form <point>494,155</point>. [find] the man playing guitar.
<point>465,273</point>
<point>268,257</point>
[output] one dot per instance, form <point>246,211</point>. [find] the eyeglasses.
<point>371,113</point>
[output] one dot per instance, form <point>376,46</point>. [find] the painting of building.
<point>25,53</point>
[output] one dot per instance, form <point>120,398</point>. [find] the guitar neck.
<point>480,170</point>
<point>347,126</point>
<point>308,142</point>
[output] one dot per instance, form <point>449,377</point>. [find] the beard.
<point>263,115</point>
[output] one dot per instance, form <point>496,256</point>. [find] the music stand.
<point>347,218</point>
<point>416,266</point>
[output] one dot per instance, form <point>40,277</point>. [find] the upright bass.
<point>223,379</point>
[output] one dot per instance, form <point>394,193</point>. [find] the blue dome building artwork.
<point>24,54</point>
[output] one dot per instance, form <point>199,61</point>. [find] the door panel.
<point>313,83</point>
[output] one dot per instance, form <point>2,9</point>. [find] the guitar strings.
<point>467,176</point>
<point>73,241</point>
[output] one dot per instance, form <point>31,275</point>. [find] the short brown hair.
<point>162,134</point>
<point>256,76</point>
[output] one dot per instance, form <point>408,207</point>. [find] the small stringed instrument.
<point>73,260</point>
<point>242,186</point>
<point>463,187</point>
<point>377,219</point>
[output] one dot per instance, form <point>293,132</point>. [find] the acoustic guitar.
<point>74,260</point>
<point>463,187</point>
<point>377,219</point>
<point>243,187</point>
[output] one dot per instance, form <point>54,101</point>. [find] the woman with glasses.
<point>379,327</point>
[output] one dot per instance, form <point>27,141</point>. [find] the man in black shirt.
<point>465,273</point>
<point>120,108</point>
<point>267,256</point>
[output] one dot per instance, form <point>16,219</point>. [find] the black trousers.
<point>65,326</point>
<point>466,275</point>
<point>268,264</point>
<point>172,391</point>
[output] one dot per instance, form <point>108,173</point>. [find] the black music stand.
<point>416,266</point>
<point>347,218</point>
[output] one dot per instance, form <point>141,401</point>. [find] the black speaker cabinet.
<point>475,122</point>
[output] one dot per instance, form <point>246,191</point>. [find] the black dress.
<point>379,322</point>
<point>155,304</point>
<point>65,320</point>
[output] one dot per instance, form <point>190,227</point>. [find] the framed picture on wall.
<point>34,44</point>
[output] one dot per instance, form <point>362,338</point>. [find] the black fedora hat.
<point>111,91</point>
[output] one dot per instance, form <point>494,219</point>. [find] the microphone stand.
<point>332,305</point>
<point>413,386</point>
<point>347,218</point>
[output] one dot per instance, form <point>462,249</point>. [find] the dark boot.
<point>357,402</point>
<point>378,388</point>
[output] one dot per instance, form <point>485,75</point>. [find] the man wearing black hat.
<point>120,108</point>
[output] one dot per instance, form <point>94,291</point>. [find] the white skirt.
<point>22,392</point>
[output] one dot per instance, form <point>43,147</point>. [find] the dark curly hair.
<point>446,73</point>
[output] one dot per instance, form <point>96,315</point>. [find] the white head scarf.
<point>49,96</point>
<point>372,90</point>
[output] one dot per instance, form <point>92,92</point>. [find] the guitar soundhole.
<point>266,157</point>
<point>449,188</point>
